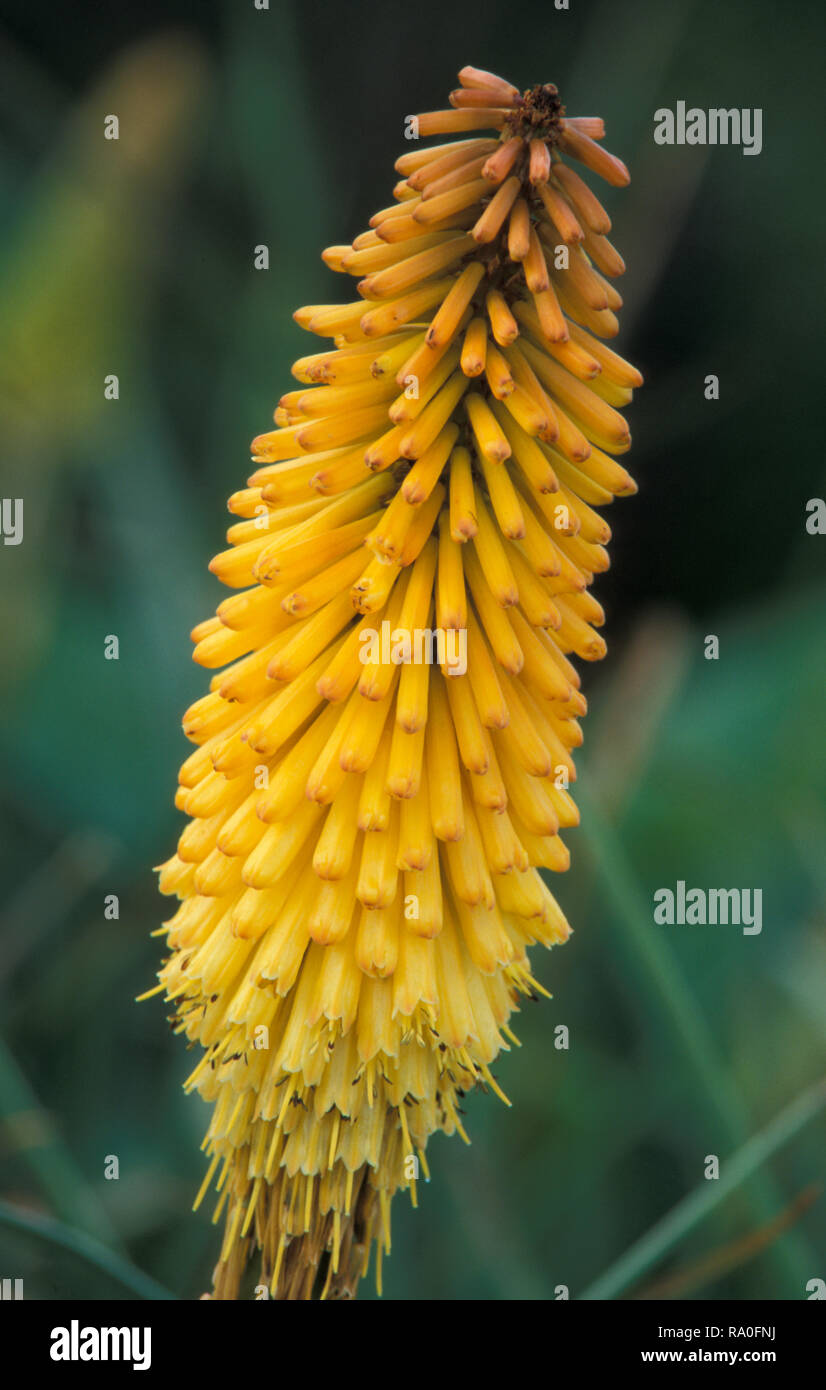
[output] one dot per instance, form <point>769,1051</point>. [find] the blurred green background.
<point>240,127</point>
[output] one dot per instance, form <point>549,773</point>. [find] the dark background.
<point>241,127</point>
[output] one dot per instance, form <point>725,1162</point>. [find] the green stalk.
<point>59,1177</point>
<point>654,960</point>
<point>86,1248</point>
<point>657,1241</point>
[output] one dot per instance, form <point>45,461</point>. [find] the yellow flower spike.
<point>583,201</point>
<point>582,147</point>
<point>451,600</point>
<point>503,499</point>
<point>535,268</point>
<point>539,166</point>
<point>532,461</point>
<point>602,424</point>
<point>378,256</point>
<point>416,834</point>
<point>497,374</point>
<point>429,427</point>
<point>470,735</point>
<point>502,322</point>
<point>423,894</point>
<point>601,322</point>
<point>364,730</point>
<point>339,366</point>
<point>501,161</point>
<point>392,358</point>
<point>378,874</point>
<point>372,803</point>
<point>332,912</point>
<point>561,214</point>
<point>379,674</point>
<point>474,348</point>
<point>417,368</point>
<point>422,386</point>
<point>393,313</point>
<point>480,80</point>
<point>538,547</point>
<point>431,212</point>
<point>407,228</point>
<point>425,473</point>
<point>422,527</point>
<point>448,122</point>
<point>519,230</point>
<point>372,591</point>
<point>403,190</point>
<point>463,523</point>
<point>493,615</point>
<point>552,321</point>
<point>493,557</point>
<point>411,269</point>
<point>487,788</point>
<point>532,404</point>
<point>455,178</point>
<point>484,679</point>
<point>333,853</point>
<point>488,436</point>
<point>448,317</point>
<point>394,213</point>
<point>443,774</point>
<point>425,166</point>
<point>490,223</point>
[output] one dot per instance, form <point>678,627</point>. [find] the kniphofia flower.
<point>362,873</point>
